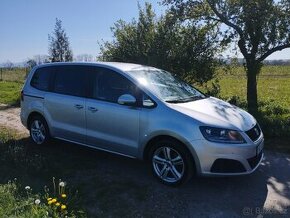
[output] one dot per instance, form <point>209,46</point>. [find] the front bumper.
<point>228,159</point>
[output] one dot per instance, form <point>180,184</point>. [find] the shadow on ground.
<point>116,186</point>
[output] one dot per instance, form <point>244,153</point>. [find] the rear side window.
<point>41,79</point>
<point>70,80</point>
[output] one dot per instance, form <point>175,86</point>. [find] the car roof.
<point>117,65</point>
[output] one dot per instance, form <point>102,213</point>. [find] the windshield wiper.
<point>184,100</point>
<point>175,101</point>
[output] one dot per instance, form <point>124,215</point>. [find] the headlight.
<point>221,135</point>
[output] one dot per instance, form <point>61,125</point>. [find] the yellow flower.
<point>63,195</point>
<point>57,204</point>
<point>49,199</point>
<point>53,200</point>
<point>49,202</point>
<point>63,207</point>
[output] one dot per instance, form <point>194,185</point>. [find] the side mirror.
<point>127,99</point>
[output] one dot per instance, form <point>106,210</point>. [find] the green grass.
<point>10,92</point>
<point>274,87</point>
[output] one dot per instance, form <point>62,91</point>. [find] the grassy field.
<point>273,84</point>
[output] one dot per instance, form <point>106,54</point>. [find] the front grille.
<point>227,166</point>
<point>253,161</point>
<point>254,133</point>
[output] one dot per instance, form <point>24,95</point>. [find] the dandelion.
<point>27,188</point>
<point>54,200</point>
<point>63,207</point>
<point>37,201</point>
<point>63,195</point>
<point>49,202</point>
<point>57,204</point>
<point>49,199</point>
<point>61,187</point>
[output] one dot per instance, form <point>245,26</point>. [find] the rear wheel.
<point>171,163</point>
<point>38,129</point>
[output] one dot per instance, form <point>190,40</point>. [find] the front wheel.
<point>171,163</point>
<point>38,129</point>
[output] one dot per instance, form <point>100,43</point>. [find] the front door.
<point>112,126</point>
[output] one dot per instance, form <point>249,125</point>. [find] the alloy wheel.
<point>38,132</point>
<point>168,164</point>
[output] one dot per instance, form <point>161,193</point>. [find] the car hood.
<point>215,112</point>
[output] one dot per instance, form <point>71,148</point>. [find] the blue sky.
<point>25,24</point>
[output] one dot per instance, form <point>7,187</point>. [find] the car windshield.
<point>166,86</point>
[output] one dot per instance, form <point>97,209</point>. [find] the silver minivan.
<point>141,112</point>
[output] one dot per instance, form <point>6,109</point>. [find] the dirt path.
<point>10,118</point>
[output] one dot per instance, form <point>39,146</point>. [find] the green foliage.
<point>59,46</point>
<point>164,42</point>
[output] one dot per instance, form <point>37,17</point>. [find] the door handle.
<point>92,109</point>
<point>79,106</point>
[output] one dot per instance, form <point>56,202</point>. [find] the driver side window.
<point>110,85</point>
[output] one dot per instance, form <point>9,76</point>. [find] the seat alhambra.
<point>141,112</point>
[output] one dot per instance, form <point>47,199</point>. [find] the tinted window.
<point>70,80</point>
<point>109,85</point>
<point>41,78</point>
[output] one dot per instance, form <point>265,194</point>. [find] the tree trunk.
<point>253,68</point>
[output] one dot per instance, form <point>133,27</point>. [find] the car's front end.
<point>229,140</point>
<point>229,157</point>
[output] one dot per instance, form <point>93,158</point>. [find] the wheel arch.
<point>185,145</point>
<point>33,114</point>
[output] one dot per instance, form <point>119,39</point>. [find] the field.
<point>273,84</point>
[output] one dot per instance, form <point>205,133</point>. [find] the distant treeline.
<point>241,61</point>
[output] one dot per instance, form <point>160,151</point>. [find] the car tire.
<point>38,129</point>
<point>171,163</point>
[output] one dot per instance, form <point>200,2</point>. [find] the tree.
<point>59,46</point>
<point>31,63</point>
<point>163,42</point>
<point>8,65</point>
<point>41,59</point>
<point>259,27</point>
